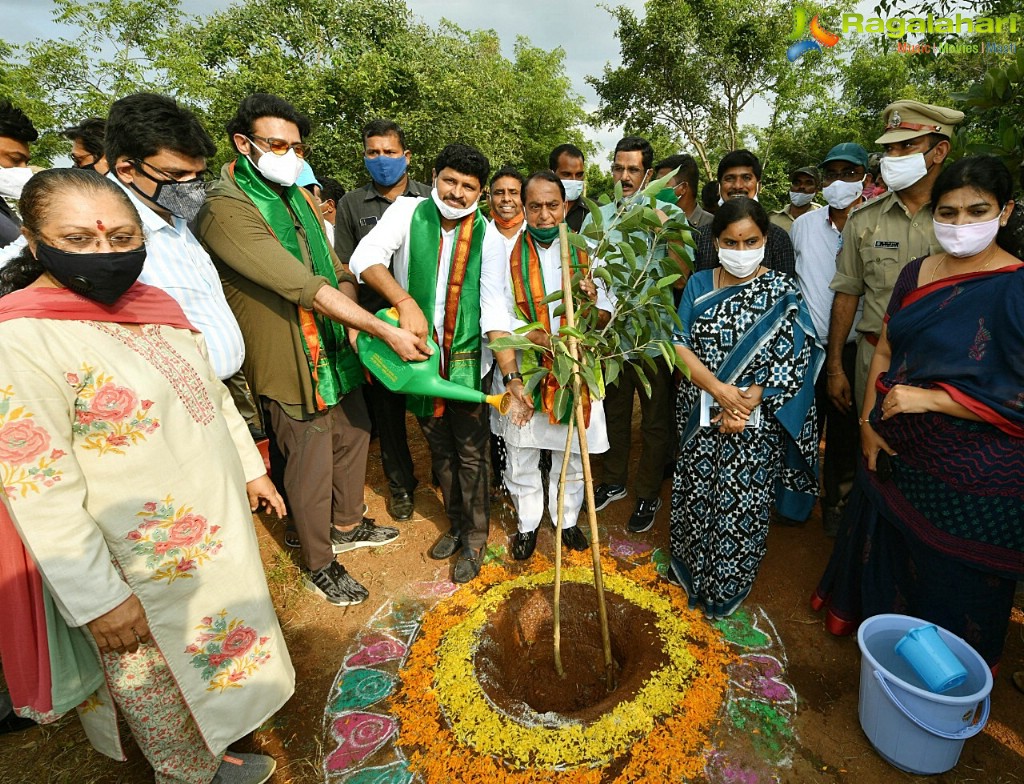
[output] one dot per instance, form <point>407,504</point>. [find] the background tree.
<point>343,62</point>
<point>693,66</point>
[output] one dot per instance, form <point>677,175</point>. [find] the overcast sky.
<point>583,29</point>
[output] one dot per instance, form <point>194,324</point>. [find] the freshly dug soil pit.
<point>515,659</point>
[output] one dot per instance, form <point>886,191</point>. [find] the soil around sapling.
<point>515,659</point>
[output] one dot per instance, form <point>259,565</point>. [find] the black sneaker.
<point>643,515</point>
<point>336,585</point>
<point>366,534</point>
<point>605,494</point>
<point>291,533</point>
<point>574,539</point>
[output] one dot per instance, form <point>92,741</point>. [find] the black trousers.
<point>388,412</point>
<point>842,435</point>
<point>657,428</point>
<point>459,443</point>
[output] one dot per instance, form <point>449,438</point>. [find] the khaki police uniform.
<point>881,237</point>
<point>784,219</point>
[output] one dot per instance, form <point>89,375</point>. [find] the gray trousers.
<point>324,473</point>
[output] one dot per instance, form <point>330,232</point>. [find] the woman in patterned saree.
<point>130,568</point>
<point>746,416</point>
<point>933,528</point>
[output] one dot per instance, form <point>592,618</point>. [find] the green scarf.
<point>333,366</point>
<point>461,342</point>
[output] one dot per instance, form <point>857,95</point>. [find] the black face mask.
<point>103,277</point>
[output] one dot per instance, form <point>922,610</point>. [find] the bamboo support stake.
<point>588,480</point>
<point>557,612</point>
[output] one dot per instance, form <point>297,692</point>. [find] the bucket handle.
<point>967,732</point>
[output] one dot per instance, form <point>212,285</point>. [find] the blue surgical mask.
<point>386,170</point>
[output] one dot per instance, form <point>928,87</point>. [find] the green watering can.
<point>417,378</point>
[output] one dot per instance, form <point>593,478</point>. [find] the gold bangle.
<point>861,422</point>
<point>837,373</point>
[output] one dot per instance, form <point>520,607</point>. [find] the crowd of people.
<point>153,324</point>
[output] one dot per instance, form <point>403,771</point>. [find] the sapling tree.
<point>638,254</point>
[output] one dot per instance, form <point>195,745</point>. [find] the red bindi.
<point>99,225</point>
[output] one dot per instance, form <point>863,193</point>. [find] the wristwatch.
<point>509,377</point>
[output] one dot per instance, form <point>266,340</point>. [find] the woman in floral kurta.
<point>126,467</point>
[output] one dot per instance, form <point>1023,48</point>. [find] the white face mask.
<point>967,239</point>
<point>741,263</point>
<point>13,179</point>
<point>903,171</point>
<point>573,189</point>
<point>800,199</point>
<point>281,169</point>
<point>447,211</point>
<point>841,194</point>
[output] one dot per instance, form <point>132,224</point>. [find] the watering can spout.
<point>417,378</point>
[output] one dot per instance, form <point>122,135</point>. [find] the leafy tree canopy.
<point>342,62</point>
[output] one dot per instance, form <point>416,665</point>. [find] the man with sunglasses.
<point>156,151</point>
<point>633,168</point>
<point>87,144</point>
<point>884,235</point>
<point>293,300</point>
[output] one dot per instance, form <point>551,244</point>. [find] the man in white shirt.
<point>535,270</point>
<point>817,238</point>
<point>157,151</point>
<point>442,288</point>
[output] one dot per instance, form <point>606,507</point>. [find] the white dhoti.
<point>522,475</point>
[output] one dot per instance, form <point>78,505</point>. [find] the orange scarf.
<point>529,293</point>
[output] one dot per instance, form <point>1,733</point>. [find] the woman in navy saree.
<point>746,417</point>
<point>934,529</point>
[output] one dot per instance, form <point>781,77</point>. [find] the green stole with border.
<point>333,366</point>
<point>461,342</point>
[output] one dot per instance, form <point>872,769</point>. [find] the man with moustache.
<point>569,165</point>
<point>632,168</point>
<point>739,174</point>
<point>441,287</point>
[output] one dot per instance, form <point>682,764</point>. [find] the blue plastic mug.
<point>931,658</point>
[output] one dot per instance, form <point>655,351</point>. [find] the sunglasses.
<point>281,146</point>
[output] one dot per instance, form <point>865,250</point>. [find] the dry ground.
<point>823,669</point>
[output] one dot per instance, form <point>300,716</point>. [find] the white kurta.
<point>388,243</point>
<point>125,463</point>
<point>539,433</point>
<point>523,444</point>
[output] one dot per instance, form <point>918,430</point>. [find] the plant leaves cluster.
<point>638,258</point>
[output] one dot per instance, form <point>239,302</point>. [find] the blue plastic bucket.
<point>911,727</point>
<point>932,659</point>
